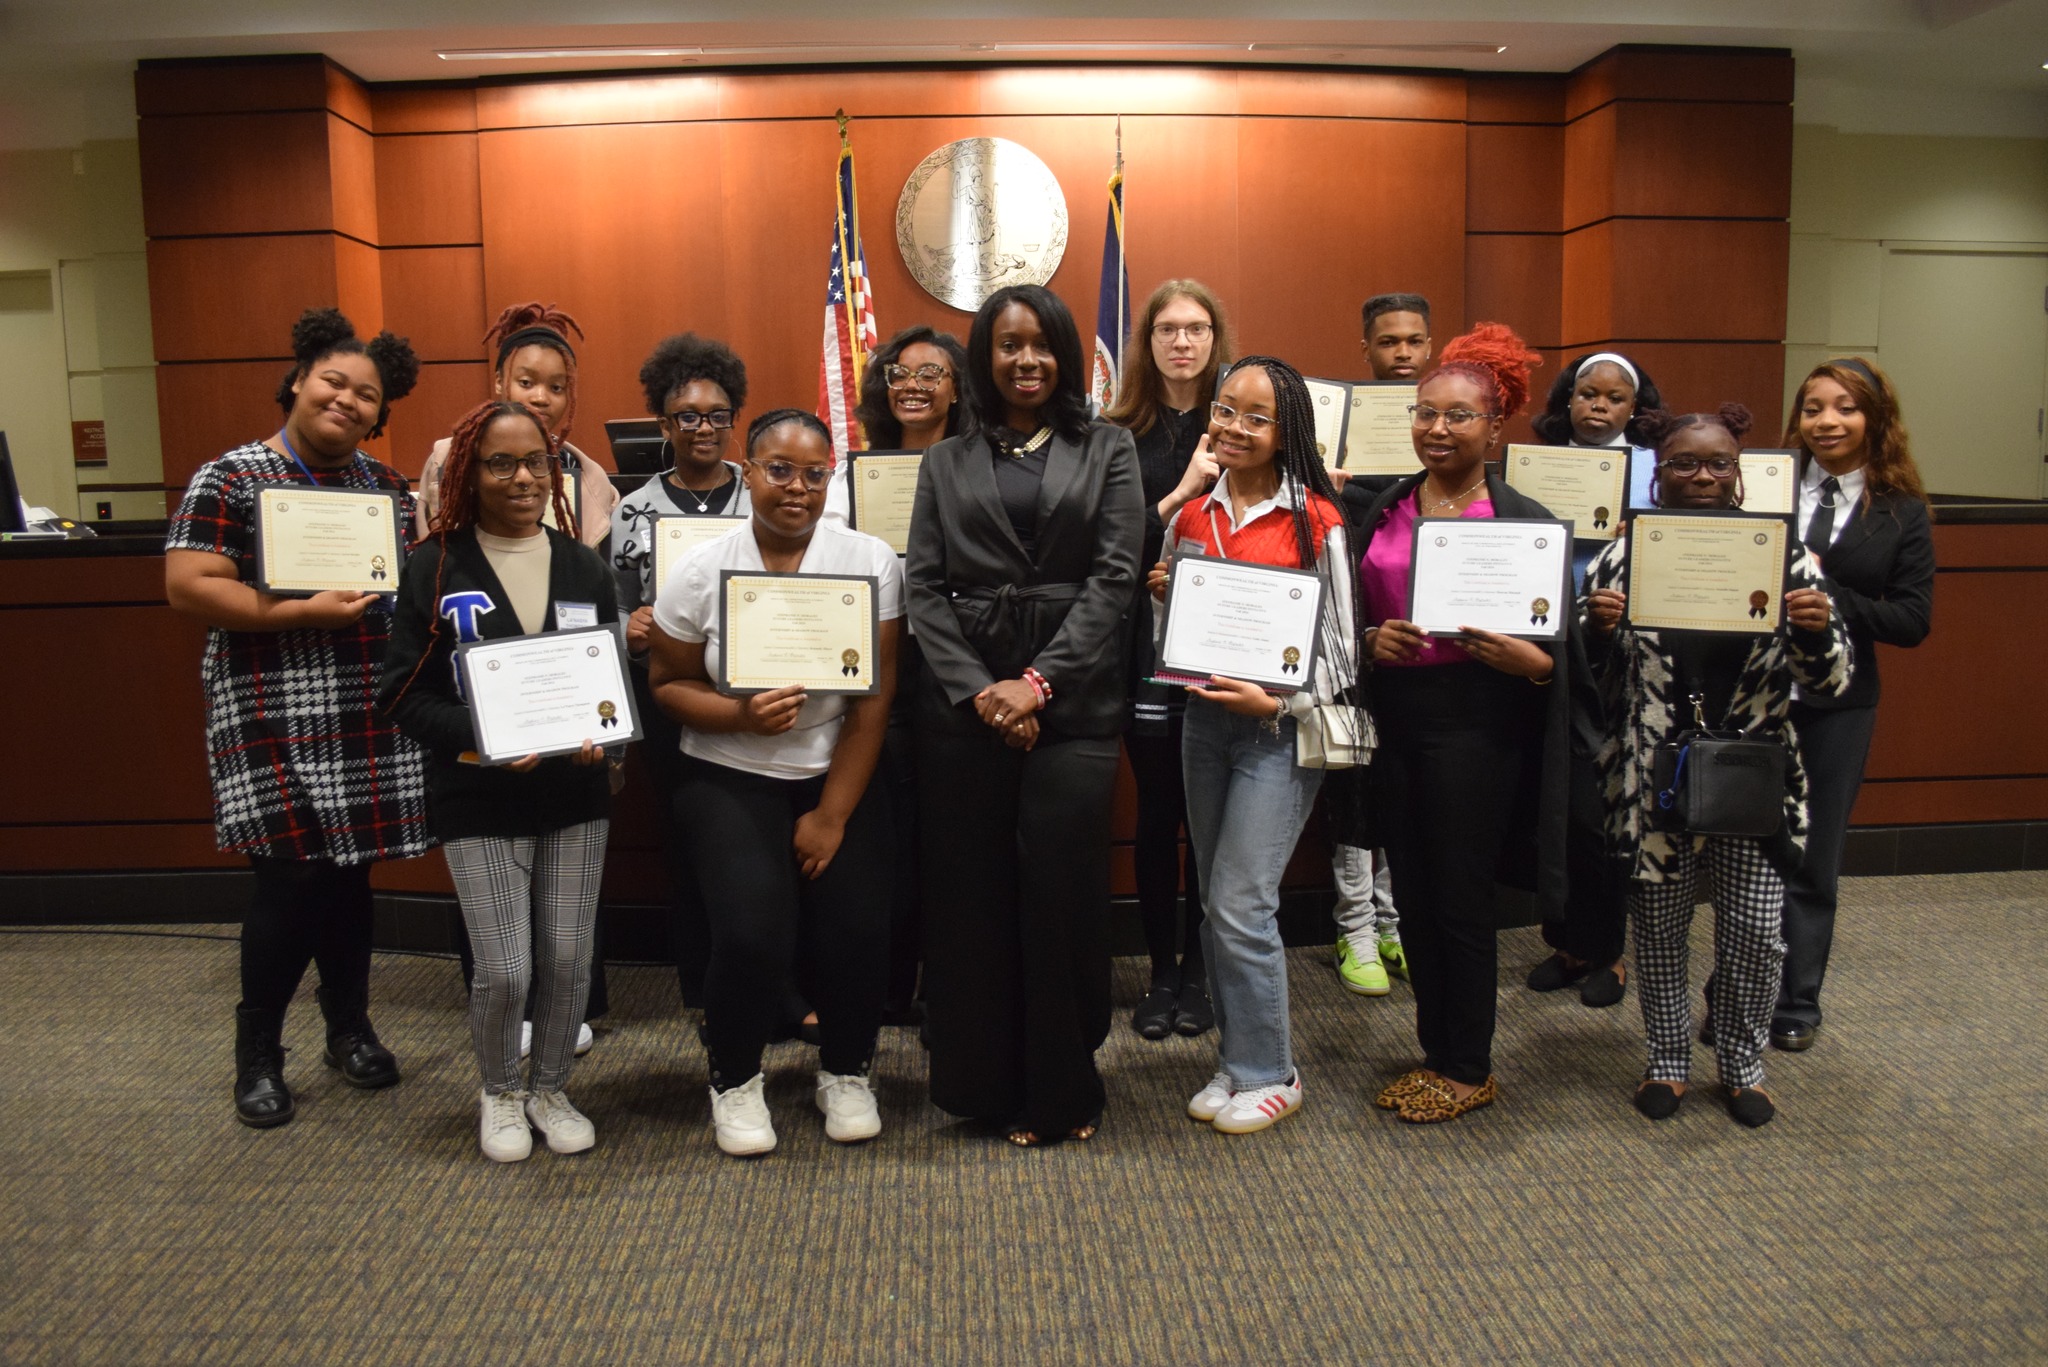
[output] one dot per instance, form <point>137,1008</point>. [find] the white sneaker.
<point>501,1130</point>
<point>525,1038</point>
<point>849,1106</point>
<point>567,1129</point>
<point>1208,1103</point>
<point>739,1118</point>
<point>584,1039</point>
<point>1257,1107</point>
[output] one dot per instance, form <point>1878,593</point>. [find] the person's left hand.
<point>1508,654</point>
<point>1008,701</point>
<point>1021,735</point>
<point>525,764</point>
<point>817,840</point>
<point>1235,695</point>
<point>1808,609</point>
<point>591,753</point>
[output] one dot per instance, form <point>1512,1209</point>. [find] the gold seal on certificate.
<point>1510,575</point>
<point>1251,622</point>
<point>1587,486</point>
<point>813,630</point>
<point>881,491</point>
<point>1707,571</point>
<point>1770,482</point>
<point>1331,401</point>
<point>1379,437</point>
<point>677,533</point>
<point>310,539</point>
<point>547,694</point>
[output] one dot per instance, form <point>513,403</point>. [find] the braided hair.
<point>321,333</point>
<point>1660,428</point>
<point>537,324</point>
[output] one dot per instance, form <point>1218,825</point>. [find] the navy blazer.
<point>1880,573</point>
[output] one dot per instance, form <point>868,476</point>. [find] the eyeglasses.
<point>689,420</point>
<point>1222,414</point>
<point>927,376</point>
<point>504,467</point>
<point>782,473</point>
<point>1194,332</point>
<point>1685,467</point>
<point>1457,419</point>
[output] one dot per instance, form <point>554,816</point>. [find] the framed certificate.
<point>547,694</point>
<point>1506,574</point>
<point>1770,482</point>
<point>816,630</point>
<point>572,494</point>
<point>677,533</point>
<point>1331,400</point>
<point>1707,570</point>
<point>311,539</point>
<point>1587,486</point>
<point>1379,435</point>
<point>881,490</point>
<point>1250,622</point>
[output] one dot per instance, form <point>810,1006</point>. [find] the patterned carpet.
<point>1897,1211</point>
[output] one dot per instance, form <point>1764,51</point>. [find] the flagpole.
<point>1123,258</point>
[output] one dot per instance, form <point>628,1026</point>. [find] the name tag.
<point>573,616</point>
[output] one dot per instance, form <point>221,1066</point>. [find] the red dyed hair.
<point>1497,360</point>
<point>522,318</point>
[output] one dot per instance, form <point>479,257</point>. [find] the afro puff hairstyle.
<point>321,333</point>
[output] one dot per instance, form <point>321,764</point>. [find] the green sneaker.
<point>1394,957</point>
<point>1359,973</point>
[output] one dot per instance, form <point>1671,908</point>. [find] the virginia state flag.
<point>1113,309</point>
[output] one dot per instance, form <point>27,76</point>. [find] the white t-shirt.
<point>687,609</point>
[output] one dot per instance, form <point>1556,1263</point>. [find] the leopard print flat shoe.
<point>1399,1088</point>
<point>1433,1102</point>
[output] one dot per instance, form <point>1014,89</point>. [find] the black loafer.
<point>1154,1017</point>
<point>1794,1037</point>
<point>1602,988</point>
<point>1554,973</point>
<point>1658,1100</point>
<point>1194,1015</point>
<point>1750,1106</point>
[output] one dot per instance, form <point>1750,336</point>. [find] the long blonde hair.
<point>1143,389</point>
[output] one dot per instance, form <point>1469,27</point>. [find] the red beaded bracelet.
<point>1039,686</point>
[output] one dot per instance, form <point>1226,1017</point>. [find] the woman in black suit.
<point>1863,513</point>
<point>1022,560</point>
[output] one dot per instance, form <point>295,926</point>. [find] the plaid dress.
<point>303,766</point>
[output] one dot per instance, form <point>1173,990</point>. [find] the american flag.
<point>849,316</point>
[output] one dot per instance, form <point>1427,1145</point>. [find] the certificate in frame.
<point>1585,485</point>
<point>881,489</point>
<point>311,539</point>
<point>816,630</point>
<point>1379,433</point>
<point>677,534</point>
<point>1707,570</point>
<point>1770,481</point>
<point>1288,638</point>
<point>547,693</point>
<point>1330,400</point>
<point>1511,575</point>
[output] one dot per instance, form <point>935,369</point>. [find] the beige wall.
<point>1886,230</point>
<point>75,340</point>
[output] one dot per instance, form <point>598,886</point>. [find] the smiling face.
<point>1701,446</point>
<point>917,406</point>
<point>511,507</point>
<point>1182,356</point>
<point>1397,345</point>
<point>789,510</point>
<point>1833,425</point>
<point>335,404</point>
<point>1453,451</point>
<point>698,450</point>
<point>1022,364</point>
<point>1603,400</point>
<point>1249,390</point>
<point>537,376</point>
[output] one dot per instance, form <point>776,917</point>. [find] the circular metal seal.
<point>977,215</point>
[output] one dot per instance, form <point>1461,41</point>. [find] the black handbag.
<point>1719,783</point>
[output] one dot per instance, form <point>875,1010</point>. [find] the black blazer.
<point>983,611</point>
<point>1880,573</point>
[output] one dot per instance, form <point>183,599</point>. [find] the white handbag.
<point>1334,735</point>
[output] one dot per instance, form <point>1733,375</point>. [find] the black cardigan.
<point>468,799</point>
<point>1880,574</point>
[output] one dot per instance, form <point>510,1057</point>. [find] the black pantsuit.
<point>1161,865</point>
<point>1593,927</point>
<point>1833,747</point>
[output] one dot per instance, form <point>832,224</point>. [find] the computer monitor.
<point>636,445</point>
<point>12,518</point>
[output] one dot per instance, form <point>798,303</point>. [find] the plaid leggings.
<point>511,888</point>
<point>1749,901</point>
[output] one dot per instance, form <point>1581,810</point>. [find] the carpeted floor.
<point>1897,1211</point>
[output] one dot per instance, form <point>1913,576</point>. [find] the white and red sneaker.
<point>1257,1107</point>
<point>1208,1103</point>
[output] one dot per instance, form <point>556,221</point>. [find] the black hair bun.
<point>318,332</point>
<point>398,365</point>
<point>1736,418</point>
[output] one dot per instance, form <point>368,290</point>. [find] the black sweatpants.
<point>1162,867</point>
<point>305,911</point>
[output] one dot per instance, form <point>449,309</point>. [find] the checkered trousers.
<point>303,766</point>
<point>1748,898</point>
<point>530,904</point>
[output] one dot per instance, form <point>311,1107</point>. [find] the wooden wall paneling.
<point>111,847</point>
<point>1702,160</point>
<point>444,393</point>
<point>2021,545</point>
<point>359,284</point>
<point>635,99</point>
<point>235,173</point>
<point>81,582</point>
<point>1697,280</point>
<point>230,85</point>
<point>399,109</point>
<point>348,97</point>
<point>865,95</point>
<point>1586,283</point>
<point>204,410</point>
<point>1514,178</point>
<point>352,178</point>
<point>1180,207</point>
<point>428,194</point>
<point>427,873</point>
<point>435,297</point>
<point>1699,376</point>
<point>1515,278</point>
<point>1632,72</point>
<point>1402,95</point>
<point>1038,89</point>
<point>1308,192</point>
<point>236,298</point>
<point>1589,168</point>
<point>1514,99</point>
<point>630,276</point>
<point>135,672</point>
<point>1929,802</point>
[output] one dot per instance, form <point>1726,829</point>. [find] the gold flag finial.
<point>841,116</point>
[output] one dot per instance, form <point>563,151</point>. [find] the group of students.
<point>831,857</point>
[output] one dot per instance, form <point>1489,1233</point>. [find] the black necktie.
<point>1820,533</point>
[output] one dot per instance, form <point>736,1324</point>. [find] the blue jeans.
<point>1247,803</point>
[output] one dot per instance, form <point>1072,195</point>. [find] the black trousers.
<point>738,828</point>
<point>1015,858</point>
<point>600,1000</point>
<point>1163,869</point>
<point>896,778</point>
<point>1454,741</point>
<point>1833,747</point>
<point>1594,926</point>
<point>305,911</point>
<point>688,931</point>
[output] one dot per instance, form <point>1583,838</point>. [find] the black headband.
<point>535,335</point>
<point>1851,363</point>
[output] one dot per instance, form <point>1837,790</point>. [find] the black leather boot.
<point>261,1099</point>
<point>352,1046</point>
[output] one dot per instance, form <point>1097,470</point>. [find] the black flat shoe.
<point>261,1099</point>
<point>1658,1100</point>
<point>1604,988</point>
<point>1794,1037</point>
<point>1750,1106</point>
<point>1194,1015</point>
<point>1154,1017</point>
<point>352,1044</point>
<point>1554,973</point>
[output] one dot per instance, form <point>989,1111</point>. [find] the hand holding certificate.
<point>881,491</point>
<point>1506,575</point>
<point>311,539</point>
<point>1229,619</point>
<point>1707,571</point>
<point>1586,486</point>
<point>548,694</point>
<point>811,631</point>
